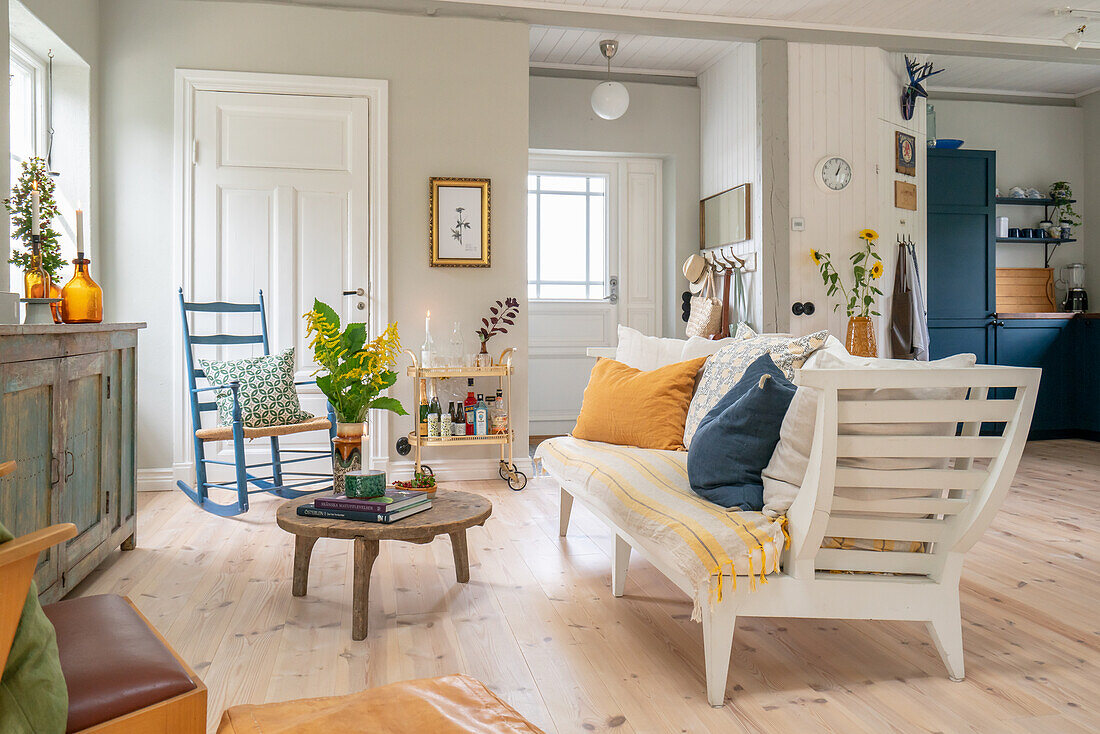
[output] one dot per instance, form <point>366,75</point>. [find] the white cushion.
<point>646,353</point>
<point>697,346</point>
<point>784,474</point>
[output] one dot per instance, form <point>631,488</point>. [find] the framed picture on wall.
<point>458,216</point>
<point>905,149</point>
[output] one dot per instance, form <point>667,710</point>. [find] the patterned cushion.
<point>725,368</point>
<point>267,395</point>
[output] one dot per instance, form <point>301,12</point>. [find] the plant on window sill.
<point>19,207</point>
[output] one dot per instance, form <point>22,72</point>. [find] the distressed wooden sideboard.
<point>67,397</point>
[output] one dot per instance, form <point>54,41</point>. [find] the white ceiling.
<point>1004,19</point>
<point>579,49</point>
<point>576,48</point>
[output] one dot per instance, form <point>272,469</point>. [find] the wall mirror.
<point>724,218</point>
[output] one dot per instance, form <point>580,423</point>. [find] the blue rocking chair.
<point>237,433</point>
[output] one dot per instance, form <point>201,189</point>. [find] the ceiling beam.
<point>721,28</point>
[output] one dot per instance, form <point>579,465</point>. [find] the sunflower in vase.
<point>859,301</point>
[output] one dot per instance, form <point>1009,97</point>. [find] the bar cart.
<point>502,370</point>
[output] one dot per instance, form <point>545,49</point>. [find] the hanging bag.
<point>706,310</point>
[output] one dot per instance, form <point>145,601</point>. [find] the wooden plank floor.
<point>538,624</point>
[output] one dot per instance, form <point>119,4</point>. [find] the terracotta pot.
<point>860,341</point>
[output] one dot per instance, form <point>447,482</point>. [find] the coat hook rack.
<point>723,262</point>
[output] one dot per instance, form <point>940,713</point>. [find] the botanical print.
<point>460,224</point>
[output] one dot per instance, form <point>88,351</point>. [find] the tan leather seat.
<point>112,661</point>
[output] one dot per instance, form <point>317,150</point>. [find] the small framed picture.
<point>906,152</point>
<point>458,222</point>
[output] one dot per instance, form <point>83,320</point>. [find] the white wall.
<point>1090,212</point>
<point>458,107</point>
<point>844,100</point>
<point>730,149</point>
<point>663,121</point>
<point>1036,145</point>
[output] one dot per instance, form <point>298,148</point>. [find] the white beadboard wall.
<point>845,100</point>
<point>730,147</point>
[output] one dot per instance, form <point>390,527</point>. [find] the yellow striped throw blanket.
<point>646,493</point>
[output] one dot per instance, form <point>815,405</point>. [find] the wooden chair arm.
<point>18,558</point>
<point>34,543</point>
<point>6,468</point>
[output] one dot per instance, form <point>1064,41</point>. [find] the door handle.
<point>70,458</point>
<point>55,470</point>
<point>356,292</point>
<point>613,288</point>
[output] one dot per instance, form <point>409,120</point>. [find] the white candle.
<point>80,233</point>
<point>35,203</point>
<point>427,322</point>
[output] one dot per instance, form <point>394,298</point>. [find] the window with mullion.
<point>567,236</point>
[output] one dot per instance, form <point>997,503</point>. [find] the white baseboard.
<point>155,480</point>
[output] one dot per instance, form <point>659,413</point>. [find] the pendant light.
<point>610,99</point>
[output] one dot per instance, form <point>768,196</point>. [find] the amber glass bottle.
<point>81,298</point>
<point>36,281</point>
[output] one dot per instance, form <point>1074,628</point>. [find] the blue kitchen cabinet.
<point>1048,344</point>
<point>1082,378</point>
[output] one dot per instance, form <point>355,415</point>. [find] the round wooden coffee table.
<point>451,513</point>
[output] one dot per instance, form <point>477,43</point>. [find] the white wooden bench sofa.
<point>643,495</point>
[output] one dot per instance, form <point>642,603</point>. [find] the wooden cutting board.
<point>1025,290</point>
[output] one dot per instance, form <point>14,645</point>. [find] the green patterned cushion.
<point>33,696</point>
<point>725,368</point>
<point>267,395</point>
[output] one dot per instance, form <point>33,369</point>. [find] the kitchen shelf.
<point>1036,240</point>
<point>1024,201</point>
<point>1046,242</point>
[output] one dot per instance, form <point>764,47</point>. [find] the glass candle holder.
<point>81,298</point>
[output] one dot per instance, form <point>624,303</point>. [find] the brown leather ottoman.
<point>452,704</point>
<point>114,662</point>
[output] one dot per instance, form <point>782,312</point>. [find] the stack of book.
<point>394,505</point>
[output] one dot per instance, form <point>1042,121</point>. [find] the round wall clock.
<point>833,173</point>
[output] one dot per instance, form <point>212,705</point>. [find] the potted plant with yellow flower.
<point>860,299</point>
<point>353,371</point>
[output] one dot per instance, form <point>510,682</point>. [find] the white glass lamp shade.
<point>610,100</point>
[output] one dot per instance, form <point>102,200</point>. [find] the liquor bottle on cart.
<point>423,407</point>
<point>498,416</point>
<point>469,405</point>
<point>459,419</point>
<point>481,417</point>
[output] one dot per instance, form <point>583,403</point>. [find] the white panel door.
<point>280,205</point>
<point>563,324</point>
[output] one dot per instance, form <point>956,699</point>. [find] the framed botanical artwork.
<point>458,222</point>
<point>905,150</point>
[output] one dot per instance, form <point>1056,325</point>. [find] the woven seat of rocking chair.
<point>225,433</point>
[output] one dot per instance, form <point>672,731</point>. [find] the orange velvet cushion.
<point>629,407</point>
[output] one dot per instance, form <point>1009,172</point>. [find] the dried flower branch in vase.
<point>502,314</point>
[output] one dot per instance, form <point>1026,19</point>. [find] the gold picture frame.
<point>460,206</point>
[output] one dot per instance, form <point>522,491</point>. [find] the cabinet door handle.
<point>55,470</point>
<point>70,461</point>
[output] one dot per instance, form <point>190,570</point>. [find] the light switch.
<point>798,224</point>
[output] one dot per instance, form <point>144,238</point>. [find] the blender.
<point>1073,277</point>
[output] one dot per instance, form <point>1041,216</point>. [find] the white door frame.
<point>188,83</point>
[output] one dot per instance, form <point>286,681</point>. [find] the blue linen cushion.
<point>735,440</point>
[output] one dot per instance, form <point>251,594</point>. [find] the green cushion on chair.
<point>267,395</point>
<point>33,697</point>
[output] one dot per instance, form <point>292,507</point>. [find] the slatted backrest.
<point>898,456</point>
<point>202,402</point>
